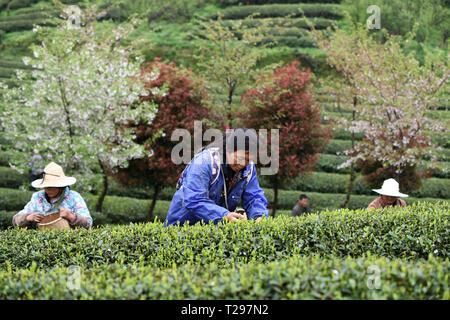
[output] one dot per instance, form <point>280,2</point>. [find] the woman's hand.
<point>35,217</point>
<point>234,216</point>
<point>67,214</point>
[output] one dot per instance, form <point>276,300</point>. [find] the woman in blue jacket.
<point>216,180</point>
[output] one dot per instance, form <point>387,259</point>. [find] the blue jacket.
<point>199,189</point>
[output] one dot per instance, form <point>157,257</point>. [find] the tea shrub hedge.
<point>440,138</point>
<point>335,145</point>
<point>126,209</point>
<point>337,183</point>
<point>408,233</point>
<point>29,16</point>
<point>225,3</point>
<point>330,163</point>
<point>295,278</point>
<point>323,182</point>
<point>19,25</point>
<point>17,4</point>
<point>281,10</point>
<point>289,41</point>
<point>115,209</point>
<point>318,23</point>
<point>10,178</point>
<point>13,64</point>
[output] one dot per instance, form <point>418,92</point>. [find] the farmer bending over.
<point>56,185</point>
<point>389,196</point>
<point>216,179</point>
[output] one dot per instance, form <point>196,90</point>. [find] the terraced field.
<point>325,255</point>
<point>326,182</point>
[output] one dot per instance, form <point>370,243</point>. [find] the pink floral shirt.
<point>72,201</point>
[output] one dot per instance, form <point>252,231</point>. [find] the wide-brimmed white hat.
<point>390,188</point>
<point>53,177</point>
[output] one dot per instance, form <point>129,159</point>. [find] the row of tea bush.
<point>413,232</point>
<point>295,278</point>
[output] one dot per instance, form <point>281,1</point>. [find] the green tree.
<point>85,85</point>
<point>394,92</point>
<point>227,59</point>
<point>399,17</point>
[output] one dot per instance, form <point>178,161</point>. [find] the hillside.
<point>168,33</point>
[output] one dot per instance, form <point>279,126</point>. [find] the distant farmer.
<point>301,207</point>
<point>55,196</point>
<point>216,180</point>
<point>390,196</point>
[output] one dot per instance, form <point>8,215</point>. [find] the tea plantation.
<point>320,256</point>
<point>329,254</point>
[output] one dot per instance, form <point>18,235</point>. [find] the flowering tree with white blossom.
<point>391,93</point>
<point>85,88</point>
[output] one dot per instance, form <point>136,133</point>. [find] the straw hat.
<point>53,177</point>
<point>390,188</point>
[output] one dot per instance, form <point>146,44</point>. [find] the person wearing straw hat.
<point>56,196</point>
<point>390,196</point>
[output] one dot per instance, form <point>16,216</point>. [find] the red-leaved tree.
<point>178,108</point>
<point>284,101</point>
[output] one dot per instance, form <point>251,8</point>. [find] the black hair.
<point>303,196</point>
<point>240,139</point>
<point>235,140</point>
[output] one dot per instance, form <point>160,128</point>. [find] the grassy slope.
<point>168,39</point>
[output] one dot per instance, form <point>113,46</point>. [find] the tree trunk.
<point>230,100</point>
<point>350,185</point>
<point>352,167</point>
<point>100,200</point>
<point>152,205</point>
<point>275,197</point>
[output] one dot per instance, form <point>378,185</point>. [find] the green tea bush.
<point>5,157</point>
<point>346,135</point>
<point>330,162</point>
<point>295,278</point>
<point>439,138</point>
<point>16,4</point>
<point>323,201</point>
<point>10,178</point>
<point>29,16</point>
<point>443,172</point>
<point>6,72</point>
<point>226,3</point>
<point>281,10</point>
<point>13,64</point>
<point>6,219</point>
<point>289,41</point>
<point>116,189</point>
<point>334,146</point>
<point>11,199</point>
<point>24,24</point>
<point>412,233</point>
<point>115,209</point>
<point>318,23</point>
<point>433,187</point>
<point>325,182</point>
<point>120,210</point>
